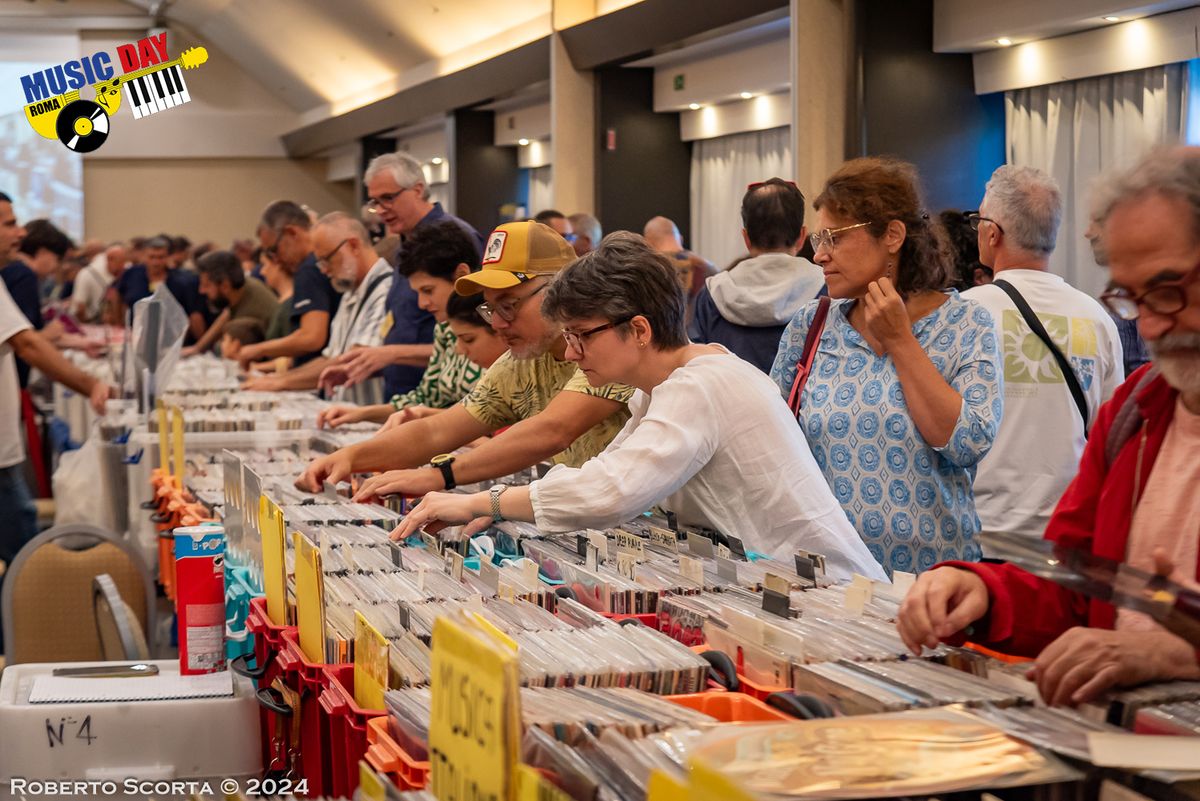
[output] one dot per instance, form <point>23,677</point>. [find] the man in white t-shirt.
<point>1042,433</point>
<point>93,282</point>
<point>18,517</point>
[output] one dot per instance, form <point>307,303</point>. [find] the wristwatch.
<point>495,492</point>
<point>443,462</point>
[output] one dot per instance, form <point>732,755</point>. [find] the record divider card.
<point>310,600</point>
<point>475,715</point>
<point>270,524</point>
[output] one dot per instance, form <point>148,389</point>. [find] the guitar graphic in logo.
<point>82,125</point>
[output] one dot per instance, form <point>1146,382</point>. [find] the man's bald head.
<point>343,226</point>
<point>663,235</point>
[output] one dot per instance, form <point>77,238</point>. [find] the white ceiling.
<point>308,53</point>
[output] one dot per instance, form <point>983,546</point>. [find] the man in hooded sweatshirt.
<point>747,307</point>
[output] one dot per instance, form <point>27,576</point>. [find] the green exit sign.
<point>679,82</point>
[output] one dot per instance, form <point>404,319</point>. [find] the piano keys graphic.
<point>159,88</point>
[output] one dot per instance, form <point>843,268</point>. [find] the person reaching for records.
<point>743,468</point>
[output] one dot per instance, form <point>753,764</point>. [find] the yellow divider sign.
<point>372,653</point>
<point>531,786</point>
<point>474,728</point>
<point>270,525</point>
<point>310,598</point>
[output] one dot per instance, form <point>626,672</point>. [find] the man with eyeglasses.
<point>345,256</point>
<point>286,236</point>
<point>400,199</point>
<point>1047,411</point>
<point>1135,497</point>
<point>551,409</point>
<point>747,308</point>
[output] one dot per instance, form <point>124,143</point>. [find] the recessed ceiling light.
<point>747,95</point>
<point>694,106</point>
<point>1112,19</point>
<point>436,160</point>
<point>522,142</point>
<point>1004,41</point>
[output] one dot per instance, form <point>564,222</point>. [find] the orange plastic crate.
<point>387,757</point>
<point>731,707</point>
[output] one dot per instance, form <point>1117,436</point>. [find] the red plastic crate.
<point>387,757</point>
<point>347,728</point>
<point>268,641</point>
<point>650,620</point>
<point>309,680</point>
<point>731,707</point>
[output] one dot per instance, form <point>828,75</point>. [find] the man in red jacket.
<point>1136,498</point>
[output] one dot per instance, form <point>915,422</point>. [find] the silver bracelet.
<point>495,492</point>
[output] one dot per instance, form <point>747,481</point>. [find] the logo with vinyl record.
<point>150,83</point>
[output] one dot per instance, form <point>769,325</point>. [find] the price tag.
<point>454,564</point>
<point>777,583</point>
<point>431,542</point>
<point>489,574</point>
<point>902,582</point>
<point>529,571</point>
<point>474,722</point>
<point>856,598</point>
<point>776,603</point>
<point>591,560</point>
<point>700,545</point>
<point>727,569</point>
<point>372,654</point>
<point>598,539</point>
<point>723,552</point>
<point>626,562</point>
<point>630,543</point>
<point>692,569</point>
<point>737,547</point>
<point>506,592</point>
<point>868,586</point>
<point>665,538</point>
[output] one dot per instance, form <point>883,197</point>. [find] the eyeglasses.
<point>506,309</point>
<point>323,261</point>
<point>974,218</point>
<point>575,338</point>
<point>827,237</point>
<point>1166,299</point>
<point>378,204</point>
<point>273,250</point>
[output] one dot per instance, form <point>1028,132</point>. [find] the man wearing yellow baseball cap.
<point>553,411</point>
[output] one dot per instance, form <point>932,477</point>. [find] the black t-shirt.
<point>312,291</point>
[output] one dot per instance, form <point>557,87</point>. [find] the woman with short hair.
<point>903,396</point>
<point>741,468</point>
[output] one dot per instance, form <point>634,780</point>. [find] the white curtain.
<point>1079,129</point>
<point>721,170</point>
<point>541,195</point>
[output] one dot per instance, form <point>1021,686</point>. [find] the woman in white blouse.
<point>709,437</point>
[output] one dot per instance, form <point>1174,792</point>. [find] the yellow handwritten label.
<point>177,436</point>
<point>529,785</point>
<point>474,727</point>
<point>164,449</point>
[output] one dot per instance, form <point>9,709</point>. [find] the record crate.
<point>386,756</point>
<point>308,680</point>
<point>346,724</point>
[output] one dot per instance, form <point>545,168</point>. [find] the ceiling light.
<point>436,160</point>
<point>694,106</point>
<point>522,141</point>
<point>747,95</point>
<point>1004,41</point>
<point>1112,19</point>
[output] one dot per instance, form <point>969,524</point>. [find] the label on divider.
<point>270,525</point>
<point>474,725</point>
<point>310,599</point>
<point>692,569</point>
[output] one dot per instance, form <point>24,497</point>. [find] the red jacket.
<point>1028,613</point>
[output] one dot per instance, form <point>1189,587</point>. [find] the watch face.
<point>444,458</point>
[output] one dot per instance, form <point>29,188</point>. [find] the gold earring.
<point>641,344</point>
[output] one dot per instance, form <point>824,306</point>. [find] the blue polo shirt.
<point>22,284</point>
<point>312,291</point>
<point>408,324</point>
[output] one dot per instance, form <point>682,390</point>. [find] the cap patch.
<point>495,247</point>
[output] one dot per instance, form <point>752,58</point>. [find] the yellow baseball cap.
<point>515,253</point>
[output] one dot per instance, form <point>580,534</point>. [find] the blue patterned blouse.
<point>912,503</point>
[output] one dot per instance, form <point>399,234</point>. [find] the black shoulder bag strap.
<point>1036,326</point>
